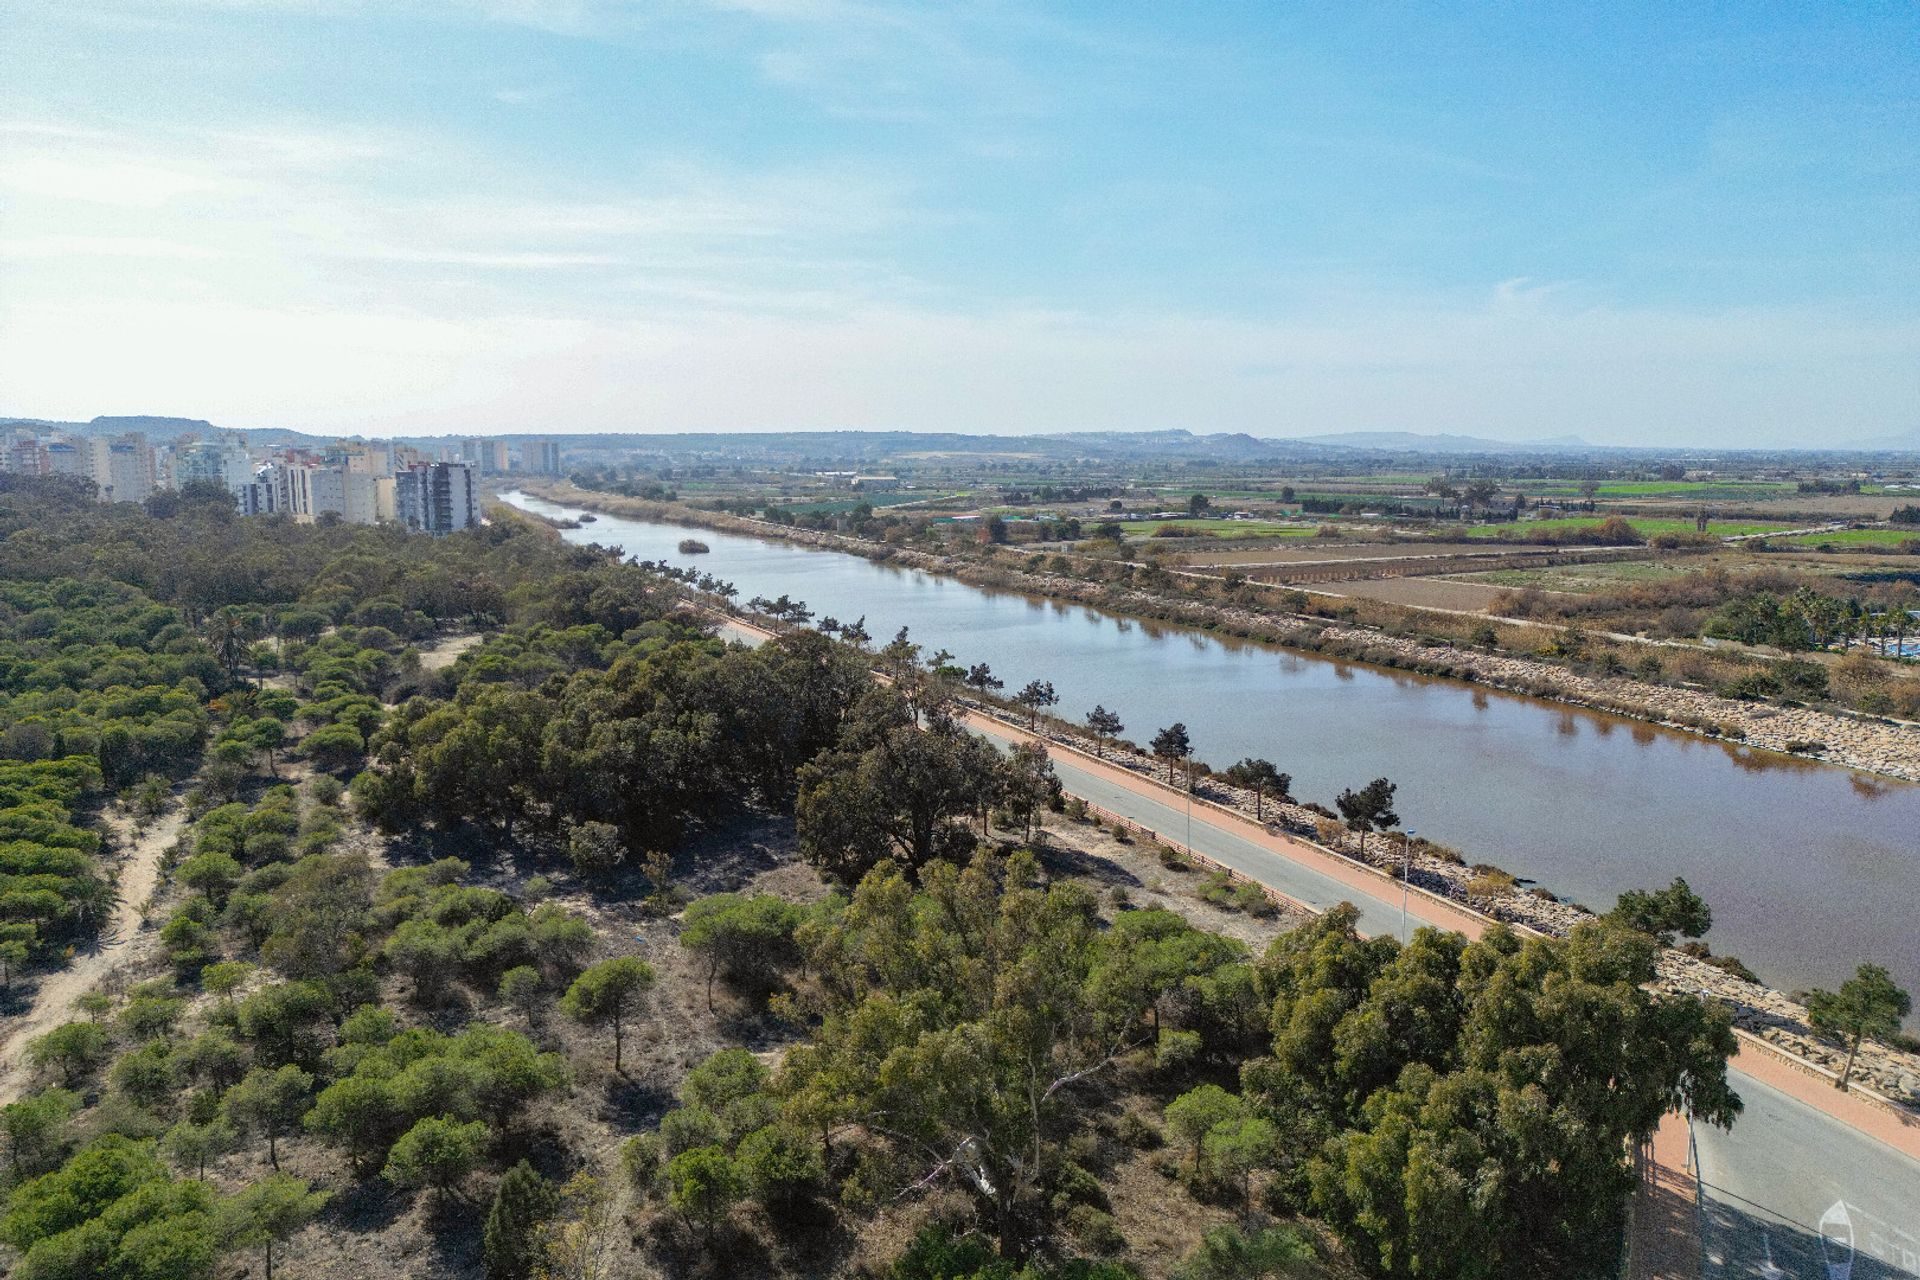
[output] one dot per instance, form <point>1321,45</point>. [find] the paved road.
<point>1378,914</point>
<point>1785,1165</point>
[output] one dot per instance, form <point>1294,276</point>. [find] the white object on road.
<point>1836,1241</point>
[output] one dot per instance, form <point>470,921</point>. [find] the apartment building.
<point>437,498</point>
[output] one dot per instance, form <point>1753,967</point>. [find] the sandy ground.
<point>445,653</point>
<point>121,941</point>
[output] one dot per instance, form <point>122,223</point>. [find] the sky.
<point>1635,223</point>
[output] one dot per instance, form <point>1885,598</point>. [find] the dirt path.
<point>120,941</point>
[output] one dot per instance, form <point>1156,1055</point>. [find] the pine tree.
<point>524,1201</point>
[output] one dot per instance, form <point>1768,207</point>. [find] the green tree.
<point>1263,778</point>
<point>962,1020</point>
<point>523,1202</point>
<point>595,848</point>
<point>271,1211</point>
<point>191,1145</point>
<point>226,977</point>
<point>112,1211</point>
<point>437,1152</point>
<point>77,1048</point>
<point>1664,913</point>
<point>1105,726</point>
<point>213,874</point>
<point>1028,783</point>
<point>747,939</point>
<point>1236,1148</point>
<point>607,993</point>
<point>36,1129</point>
<point>1867,1004</point>
<point>1368,809</point>
<point>1487,1090</point>
<point>1197,1112</point>
<point>1036,696</point>
<point>13,953</point>
<point>704,1184</point>
<point>270,1101</point>
<point>360,1114</point>
<point>1172,745</point>
<point>892,791</point>
<point>780,1164</point>
<point>524,989</point>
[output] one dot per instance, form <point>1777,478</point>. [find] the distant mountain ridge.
<point>832,448</point>
<point>1419,442</point>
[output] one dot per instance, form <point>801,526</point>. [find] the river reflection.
<point>1810,869</point>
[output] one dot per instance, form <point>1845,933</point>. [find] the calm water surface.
<point>1810,869</point>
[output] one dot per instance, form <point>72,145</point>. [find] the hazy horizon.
<point>470,217</point>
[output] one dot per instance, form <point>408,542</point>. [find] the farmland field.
<point>1646,526</point>
<point>1889,538</point>
<point>1223,530</point>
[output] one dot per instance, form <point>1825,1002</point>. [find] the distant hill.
<point>1417,442</point>
<point>153,426</point>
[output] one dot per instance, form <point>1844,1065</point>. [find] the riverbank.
<point>1888,748</point>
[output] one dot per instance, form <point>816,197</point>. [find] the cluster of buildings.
<point>359,482</point>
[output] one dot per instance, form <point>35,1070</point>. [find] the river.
<point>1810,869</point>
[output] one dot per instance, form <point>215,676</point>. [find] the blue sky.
<point>1639,224</point>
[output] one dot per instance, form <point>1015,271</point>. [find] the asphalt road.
<point>1168,818</point>
<point>1783,1167</point>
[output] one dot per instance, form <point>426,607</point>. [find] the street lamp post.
<point>1189,808</point>
<point>1406,874</point>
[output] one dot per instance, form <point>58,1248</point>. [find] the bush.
<point>641,1157</point>
<point>1095,1229</point>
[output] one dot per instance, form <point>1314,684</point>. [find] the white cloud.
<point>104,247</point>
<point>100,180</point>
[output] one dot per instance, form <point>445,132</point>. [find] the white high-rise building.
<point>221,460</point>
<point>351,495</point>
<point>437,497</point>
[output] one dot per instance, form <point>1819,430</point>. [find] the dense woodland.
<point>384,992</point>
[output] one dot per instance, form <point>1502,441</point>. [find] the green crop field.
<point>1706,490</point>
<point>1646,526</point>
